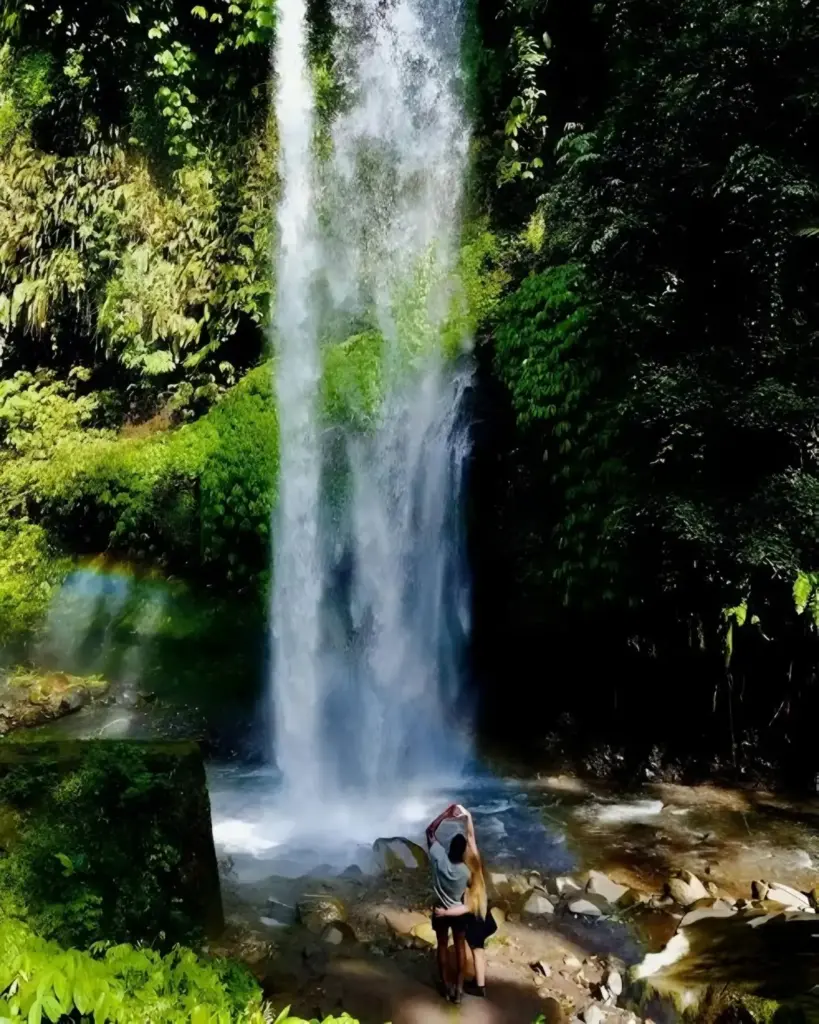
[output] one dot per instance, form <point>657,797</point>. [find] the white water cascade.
<point>370,607</point>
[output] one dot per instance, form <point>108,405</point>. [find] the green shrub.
<point>238,477</point>
<point>39,980</point>
<point>29,573</point>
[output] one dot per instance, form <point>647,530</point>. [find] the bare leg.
<point>460,954</point>
<point>480,967</point>
<point>443,943</point>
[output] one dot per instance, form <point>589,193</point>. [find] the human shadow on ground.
<point>374,992</point>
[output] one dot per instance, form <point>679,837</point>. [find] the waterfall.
<point>296,569</point>
<point>371,603</point>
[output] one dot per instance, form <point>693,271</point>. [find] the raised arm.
<point>471,842</point>
<point>433,826</point>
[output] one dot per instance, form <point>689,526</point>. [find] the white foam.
<point>619,814</point>
<point>677,948</point>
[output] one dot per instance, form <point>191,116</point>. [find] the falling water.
<point>297,592</point>
<point>371,599</point>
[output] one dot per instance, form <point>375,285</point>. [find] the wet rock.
<point>74,700</point>
<point>542,968</point>
<point>584,907</point>
<point>704,909</point>
<point>787,897</point>
<point>338,933</point>
<point>614,983</point>
<point>685,889</point>
<point>271,922</point>
<point>538,905</point>
<point>601,885</point>
<point>592,1015</point>
<point>316,912</point>
<point>565,886</point>
<point>398,854</point>
<point>631,898</point>
<point>572,961</point>
<point>759,890</point>
<point>814,897</point>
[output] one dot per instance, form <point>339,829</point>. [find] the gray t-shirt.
<point>449,880</point>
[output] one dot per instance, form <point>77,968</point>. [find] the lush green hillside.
<point>639,264</point>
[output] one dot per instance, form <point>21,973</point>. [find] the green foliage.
<point>102,846</point>
<point>24,89</point>
<point>166,274</point>
<point>120,984</point>
<point>649,367</point>
<point>238,479</point>
<point>352,381</point>
<point>525,127</point>
<point>29,573</point>
<point>547,343</point>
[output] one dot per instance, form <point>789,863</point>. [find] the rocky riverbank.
<point>29,698</point>
<point>574,948</point>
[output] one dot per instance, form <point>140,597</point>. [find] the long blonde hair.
<point>476,899</point>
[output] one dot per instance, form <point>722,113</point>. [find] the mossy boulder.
<point>29,698</point>
<point>108,838</point>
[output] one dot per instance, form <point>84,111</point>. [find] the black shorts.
<point>476,929</point>
<point>442,925</point>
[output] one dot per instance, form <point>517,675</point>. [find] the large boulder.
<point>399,854</point>
<point>685,889</point>
<point>317,912</point>
<point>704,909</point>
<point>787,897</point>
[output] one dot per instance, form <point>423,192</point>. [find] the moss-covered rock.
<point>108,838</point>
<point>29,698</point>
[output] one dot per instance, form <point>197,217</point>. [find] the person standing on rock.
<point>474,911</point>
<point>450,877</point>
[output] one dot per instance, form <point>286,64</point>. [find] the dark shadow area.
<point>374,991</point>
